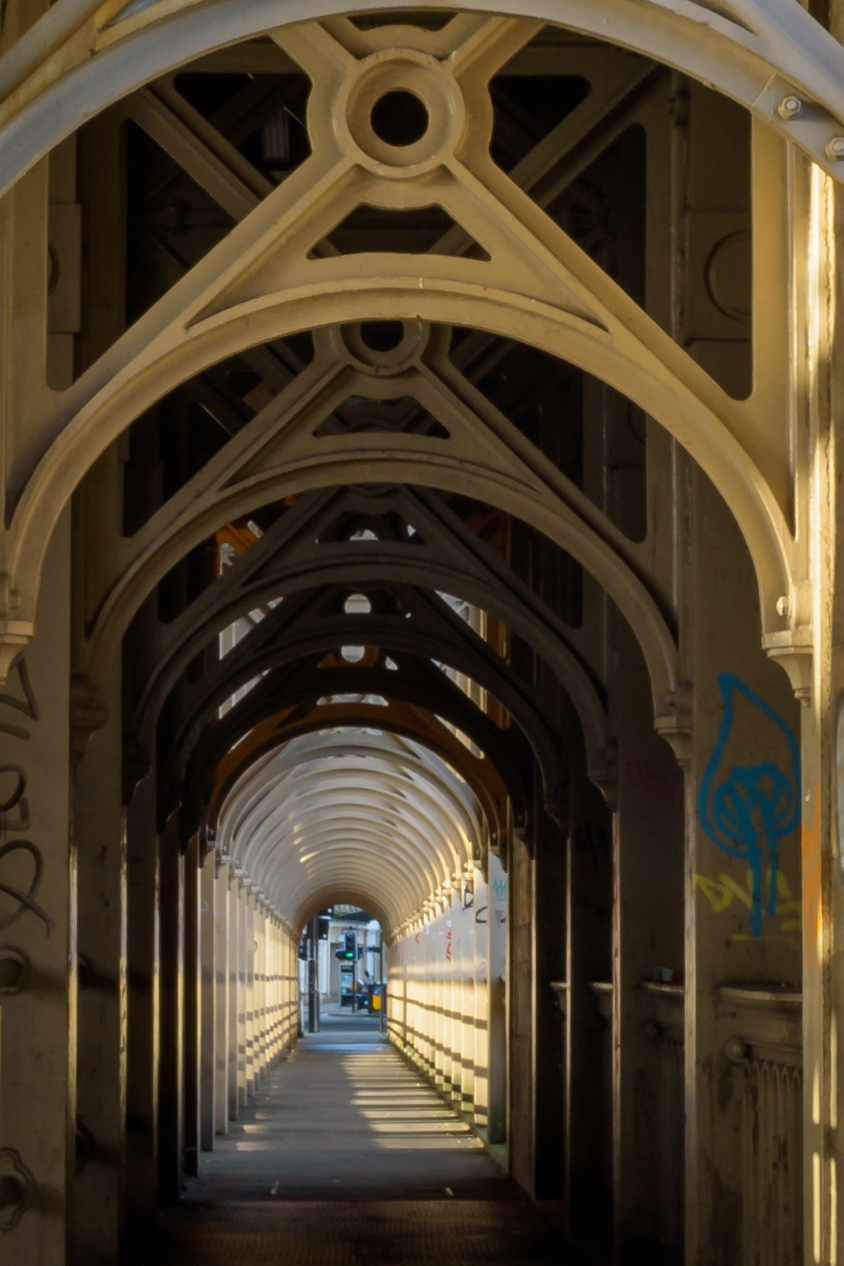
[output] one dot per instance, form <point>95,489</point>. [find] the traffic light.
<point>349,951</point>
<point>322,927</point>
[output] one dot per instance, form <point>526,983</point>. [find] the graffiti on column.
<point>724,891</point>
<point>18,1187</point>
<point>748,809</point>
<point>20,878</point>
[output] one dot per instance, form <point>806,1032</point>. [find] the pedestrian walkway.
<point>348,1158</point>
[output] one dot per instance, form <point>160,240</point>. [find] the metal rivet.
<point>789,107</point>
<point>835,149</point>
<point>736,1049</point>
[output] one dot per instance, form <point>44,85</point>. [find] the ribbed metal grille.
<point>393,1233</point>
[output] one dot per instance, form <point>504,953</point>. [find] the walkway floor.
<point>348,1158</point>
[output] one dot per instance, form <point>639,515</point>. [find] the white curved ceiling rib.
<point>350,810</point>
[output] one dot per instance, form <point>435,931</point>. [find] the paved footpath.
<point>347,1157</point>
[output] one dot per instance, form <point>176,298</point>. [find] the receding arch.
<point>688,416</point>
<point>348,809</point>
<point>738,54</point>
<point>333,894</point>
<point>654,373</point>
<point>308,641</point>
<point>406,721</point>
<point>571,673</point>
<point>473,573</point>
<point>566,305</point>
<point>193,766</point>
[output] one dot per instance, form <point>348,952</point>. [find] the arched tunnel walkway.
<point>366,1142</point>
<point>421,436</point>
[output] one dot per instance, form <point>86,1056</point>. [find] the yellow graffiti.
<point>723,891</point>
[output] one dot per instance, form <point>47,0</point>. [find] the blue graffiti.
<point>756,805</point>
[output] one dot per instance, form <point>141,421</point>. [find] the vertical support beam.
<point>588,1163</point>
<point>269,979</point>
<point>549,948</point>
<point>143,1046</point>
<point>647,935</point>
<point>171,1075</point>
<point>426,1018</point>
<point>272,990</point>
<point>818,225</point>
<point>284,992</point>
<point>455,978</point>
<point>256,991</point>
<point>382,992</point>
<point>241,993</point>
<point>438,974</point>
<point>261,993</point>
<point>276,969</point>
<point>423,1017</point>
<point>499,1064</point>
<point>521,1019</point>
<point>232,1015</point>
<point>730,938</point>
<point>481,918</point>
<point>99,1184</point>
<point>291,991</point>
<point>38,1049</point>
<point>274,986</point>
<point>191,1006</point>
<point>397,967</point>
<point>288,991</point>
<point>466,905</point>
<point>38,1071</point>
<point>208,1009</point>
<point>249,987</point>
<point>447,992</point>
<point>313,984</point>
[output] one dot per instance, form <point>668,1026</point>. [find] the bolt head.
<point>835,149</point>
<point>736,1049</point>
<point>789,107</point>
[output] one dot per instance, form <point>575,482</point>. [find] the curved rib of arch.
<point>410,459</point>
<point>403,720</point>
<point>266,649</point>
<point>769,39</point>
<point>570,672</point>
<point>258,284</point>
<point>449,558</point>
<point>199,755</point>
<point>537,286</point>
<point>329,813</point>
